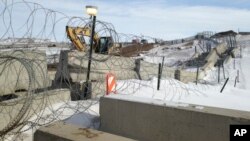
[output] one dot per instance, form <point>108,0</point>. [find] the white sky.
<point>157,18</point>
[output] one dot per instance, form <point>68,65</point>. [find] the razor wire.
<point>36,106</point>
<point>29,44</point>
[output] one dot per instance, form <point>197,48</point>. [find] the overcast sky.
<point>167,19</point>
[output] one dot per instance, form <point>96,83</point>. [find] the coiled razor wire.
<point>42,30</point>
<point>27,100</point>
<point>42,27</point>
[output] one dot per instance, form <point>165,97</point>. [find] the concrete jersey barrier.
<point>22,70</point>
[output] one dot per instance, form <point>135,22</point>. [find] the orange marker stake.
<point>111,83</point>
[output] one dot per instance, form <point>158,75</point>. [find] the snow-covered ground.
<point>49,50</point>
<point>10,41</point>
<point>175,54</point>
<point>80,113</point>
<point>172,57</point>
<point>207,94</point>
<point>172,92</point>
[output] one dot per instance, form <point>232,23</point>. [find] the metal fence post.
<point>159,77</point>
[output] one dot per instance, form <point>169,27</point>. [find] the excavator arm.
<point>74,34</point>
<point>102,45</point>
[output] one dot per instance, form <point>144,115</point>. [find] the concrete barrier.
<point>122,67</point>
<point>60,131</point>
<point>188,76</point>
<point>211,59</point>
<point>22,70</point>
<point>215,52</point>
<point>11,110</point>
<point>151,122</point>
<point>234,53</point>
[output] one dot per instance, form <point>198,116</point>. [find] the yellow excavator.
<point>102,45</point>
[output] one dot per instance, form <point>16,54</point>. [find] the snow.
<point>171,93</point>
<point>80,113</point>
<point>10,41</point>
<point>172,57</point>
<point>207,94</point>
<point>54,50</point>
<point>174,54</point>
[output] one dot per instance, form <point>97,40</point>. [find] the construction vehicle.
<point>144,41</point>
<point>102,45</point>
<point>105,45</point>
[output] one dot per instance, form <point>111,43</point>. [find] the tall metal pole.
<point>91,47</point>
<point>88,85</point>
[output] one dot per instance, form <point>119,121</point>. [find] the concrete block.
<point>22,70</point>
<point>60,131</point>
<point>10,109</point>
<point>151,122</point>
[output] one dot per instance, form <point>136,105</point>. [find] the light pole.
<point>92,11</point>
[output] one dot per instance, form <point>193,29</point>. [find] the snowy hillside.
<point>177,53</point>
<point>206,94</point>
